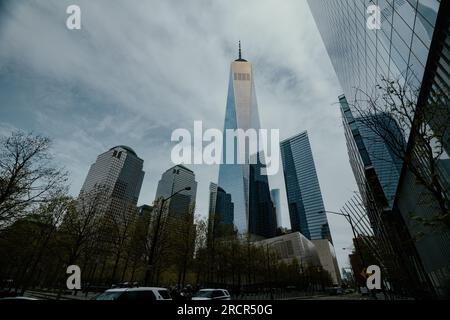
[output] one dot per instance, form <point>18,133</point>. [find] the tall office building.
<point>212,208</point>
<point>371,158</point>
<point>119,170</point>
<point>253,211</point>
<point>305,203</point>
<point>173,180</point>
<point>412,43</point>
<point>221,210</point>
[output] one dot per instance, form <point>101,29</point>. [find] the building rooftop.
<point>180,166</point>
<point>130,150</point>
<point>301,134</point>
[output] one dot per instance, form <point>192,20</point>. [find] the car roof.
<point>135,289</point>
<point>212,289</point>
<point>18,298</point>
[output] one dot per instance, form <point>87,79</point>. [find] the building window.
<point>242,76</point>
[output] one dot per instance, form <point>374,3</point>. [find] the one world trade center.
<point>253,211</point>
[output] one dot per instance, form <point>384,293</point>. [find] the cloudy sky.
<point>137,70</point>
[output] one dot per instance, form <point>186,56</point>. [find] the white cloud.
<point>139,69</point>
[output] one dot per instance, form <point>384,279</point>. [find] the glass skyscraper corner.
<point>413,43</point>
<point>253,211</point>
<point>221,212</point>
<point>368,151</point>
<point>362,56</point>
<point>305,203</point>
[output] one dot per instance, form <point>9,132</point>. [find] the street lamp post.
<point>349,219</point>
<point>155,236</point>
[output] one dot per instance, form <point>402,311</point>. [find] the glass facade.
<point>377,170</point>
<point>221,212</point>
<point>253,211</point>
<point>367,150</point>
<point>403,48</point>
<point>360,56</point>
<point>306,208</point>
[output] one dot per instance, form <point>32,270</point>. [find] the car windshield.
<point>204,294</point>
<point>114,295</point>
<point>165,294</point>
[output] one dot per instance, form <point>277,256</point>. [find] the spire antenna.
<point>240,52</point>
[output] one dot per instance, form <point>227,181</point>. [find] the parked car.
<point>212,294</point>
<point>7,293</point>
<point>18,298</point>
<point>139,293</point>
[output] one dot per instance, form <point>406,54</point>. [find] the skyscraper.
<point>173,180</point>
<point>119,170</point>
<point>376,166</point>
<point>305,202</point>
<point>253,211</point>
<point>212,207</point>
<point>220,219</point>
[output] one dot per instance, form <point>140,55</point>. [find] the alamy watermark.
<point>249,146</point>
<point>74,280</point>
<point>374,20</point>
<point>374,277</point>
<point>73,22</point>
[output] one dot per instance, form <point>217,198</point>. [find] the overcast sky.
<point>137,70</point>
